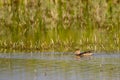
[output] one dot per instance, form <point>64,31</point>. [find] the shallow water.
<point>59,66</point>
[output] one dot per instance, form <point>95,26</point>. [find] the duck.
<point>85,53</point>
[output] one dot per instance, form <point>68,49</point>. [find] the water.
<point>59,66</point>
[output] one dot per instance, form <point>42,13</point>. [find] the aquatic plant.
<point>58,25</point>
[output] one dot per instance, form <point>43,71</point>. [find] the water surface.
<point>59,66</point>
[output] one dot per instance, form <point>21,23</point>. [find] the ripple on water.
<point>59,66</point>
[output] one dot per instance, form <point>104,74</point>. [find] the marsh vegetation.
<point>59,25</point>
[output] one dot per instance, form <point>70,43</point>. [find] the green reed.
<point>58,25</point>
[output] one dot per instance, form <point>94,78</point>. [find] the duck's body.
<point>86,53</point>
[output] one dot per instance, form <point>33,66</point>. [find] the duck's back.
<point>86,53</point>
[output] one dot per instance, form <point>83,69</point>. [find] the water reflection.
<point>59,66</point>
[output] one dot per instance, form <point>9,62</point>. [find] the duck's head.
<point>77,52</point>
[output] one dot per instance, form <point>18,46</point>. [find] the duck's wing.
<point>85,52</point>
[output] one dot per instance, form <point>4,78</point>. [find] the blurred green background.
<point>60,25</point>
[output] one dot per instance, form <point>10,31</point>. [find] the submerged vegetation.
<point>60,25</point>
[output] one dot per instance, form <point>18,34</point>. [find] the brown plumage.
<point>85,53</point>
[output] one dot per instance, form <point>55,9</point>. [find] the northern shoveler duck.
<point>85,53</point>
